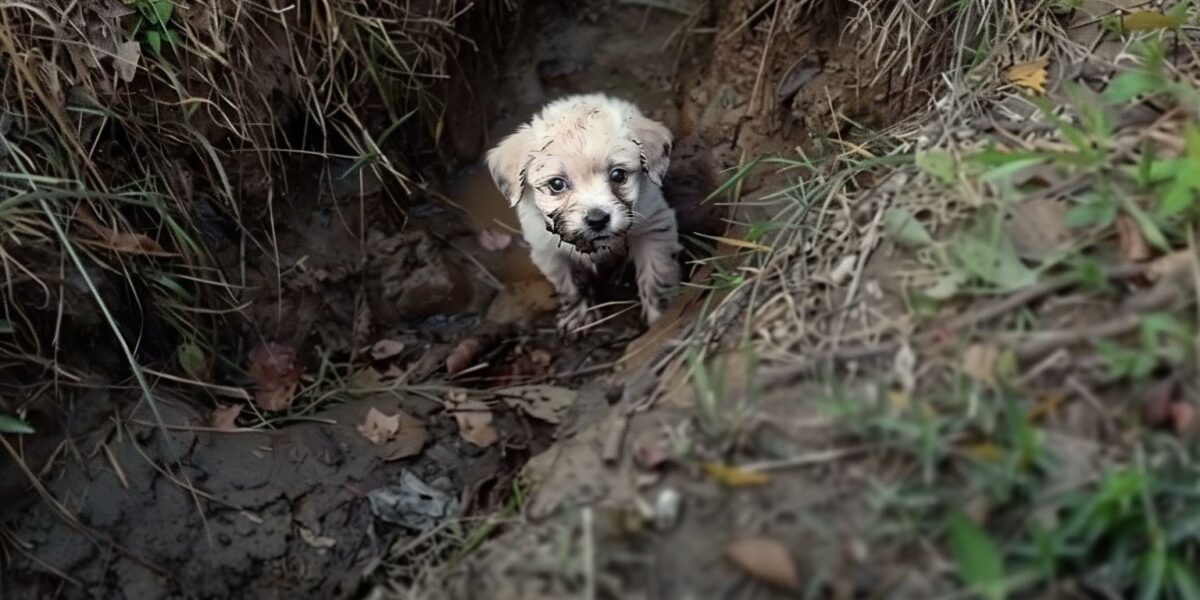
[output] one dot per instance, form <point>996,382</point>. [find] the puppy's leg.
<point>570,286</point>
<point>654,246</point>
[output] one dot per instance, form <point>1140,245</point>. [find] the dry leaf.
<point>474,419</point>
<point>385,349</point>
<point>494,241</point>
<point>766,560</point>
<point>126,60</point>
<point>224,418</point>
<point>463,355</point>
<point>1045,407</point>
<point>735,477</point>
<point>1030,75</point>
<point>1170,265</point>
<point>276,375</point>
<point>979,362</point>
<point>378,427</point>
<point>1148,20</point>
<point>1038,228</point>
<point>1132,244</point>
<point>314,540</point>
<point>117,241</point>
<point>522,301</point>
<point>543,402</point>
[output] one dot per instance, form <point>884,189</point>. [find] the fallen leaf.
<point>378,427</point>
<point>734,476</point>
<point>494,241</point>
<point>462,356</point>
<point>315,540</point>
<point>979,362</point>
<point>224,418</point>
<point>1030,75</point>
<point>474,419</point>
<point>522,301</point>
<point>1038,228</point>
<point>1148,20</point>
<point>903,228</point>
<point>126,60</point>
<point>118,241</point>
<point>385,349</point>
<point>276,375</point>
<point>543,402</point>
<point>1132,245</point>
<point>766,560</point>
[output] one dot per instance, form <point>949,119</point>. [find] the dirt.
<point>281,507</point>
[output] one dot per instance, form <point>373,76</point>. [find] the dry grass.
<point>141,138</point>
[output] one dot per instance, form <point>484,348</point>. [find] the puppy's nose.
<point>597,219</point>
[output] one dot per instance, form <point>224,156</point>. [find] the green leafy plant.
<point>154,22</point>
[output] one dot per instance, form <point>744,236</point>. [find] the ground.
<point>922,350</point>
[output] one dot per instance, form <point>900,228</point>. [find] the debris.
<point>126,60</point>
<point>378,427</point>
<point>474,419</point>
<point>521,301</point>
<point>1156,410</point>
<point>543,402</point>
<point>224,418</point>
<point>766,560</point>
<point>841,273</point>
<point>463,355</point>
<point>494,241</point>
<point>1183,417</point>
<point>385,349</point>
<point>1030,75</point>
<point>667,508</point>
<point>410,503</point>
<point>1038,227</point>
<point>981,362</point>
<point>1131,243</point>
<point>314,540</point>
<point>1149,20</point>
<point>735,477</point>
<point>276,375</point>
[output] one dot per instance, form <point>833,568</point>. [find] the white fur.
<point>583,137</point>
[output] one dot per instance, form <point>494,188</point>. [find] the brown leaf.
<point>494,241</point>
<point>378,427</point>
<point>474,419</point>
<point>1131,243</point>
<point>734,476</point>
<point>543,402</point>
<point>126,60</point>
<point>385,349</point>
<point>224,418</point>
<point>276,375</point>
<point>766,560</point>
<point>463,355</point>
<point>118,241</point>
<point>1030,75</point>
<point>521,301</point>
<point>1148,20</point>
<point>1037,227</point>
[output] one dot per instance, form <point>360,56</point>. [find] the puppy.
<point>586,177</point>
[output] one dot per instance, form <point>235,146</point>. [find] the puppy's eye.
<point>618,176</point>
<point>557,185</point>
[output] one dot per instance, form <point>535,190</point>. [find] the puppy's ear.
<point>654,139</point>
<point>507,162</point>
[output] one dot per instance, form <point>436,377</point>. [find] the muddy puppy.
<point>586,177</point>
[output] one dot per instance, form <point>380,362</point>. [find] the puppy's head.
<point>583,162</point>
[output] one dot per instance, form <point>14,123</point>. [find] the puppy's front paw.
<point>652,310</point>
<point>573,318</point>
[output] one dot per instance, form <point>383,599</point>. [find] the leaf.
<point>163,9</point>
<point>1131,245</point>
<point>463,355</point>
<point>1183,580</point>
<point>14,425</point>
<point>494,241</point>
<point>1127,86</point>
<point>276,375</point>
<point>474,419</point>
<point>1149,228</point>
<point>946,287</point>
<point>980,363</point>
<point>905,229</point>
<point>379,428</point>
<point>126,60</point>
<point>1097,211</point>
<point>766,560</point>
<point>385,349</point>
<point>939,164</point>
<point>1152,571</point>
<point>224,418</point>
<point>979,562</point>
<point>192,360</point>
<point>543,402</point>
<point>994,261</point>
<point>735,477</point>
<point>1149,20</point>
<point>154,40</point>
<point>1030,75</point>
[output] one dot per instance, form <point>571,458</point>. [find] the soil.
<point>282,508</point>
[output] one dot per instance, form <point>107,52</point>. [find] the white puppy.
<point>586,177</point>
